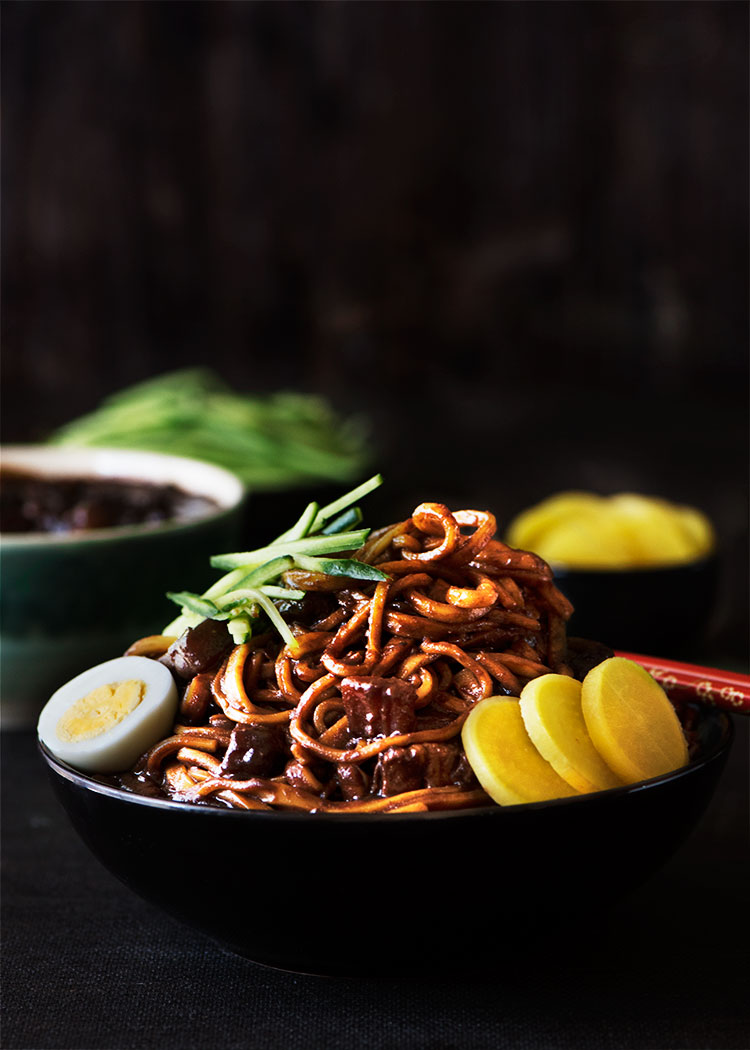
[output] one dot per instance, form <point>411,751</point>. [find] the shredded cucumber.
<point>245,595</point>
<point>343,541</point>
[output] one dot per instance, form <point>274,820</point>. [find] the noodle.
<point>363,711</point>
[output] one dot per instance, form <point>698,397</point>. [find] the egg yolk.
<point>100,710</point>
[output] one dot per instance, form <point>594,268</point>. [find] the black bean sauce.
<point>34,503</point>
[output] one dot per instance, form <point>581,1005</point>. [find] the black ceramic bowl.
<point>618,606</point>
<point>385,894</point>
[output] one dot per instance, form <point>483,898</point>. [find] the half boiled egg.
<point>102,720</point>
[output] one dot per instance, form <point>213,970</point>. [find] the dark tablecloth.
<point>86,964</point>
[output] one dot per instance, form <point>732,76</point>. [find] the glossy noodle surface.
<point>364,712</point>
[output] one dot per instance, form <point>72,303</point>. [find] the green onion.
<point>272,441</point>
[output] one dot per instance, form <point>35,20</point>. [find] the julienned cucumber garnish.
<point>244,597</point>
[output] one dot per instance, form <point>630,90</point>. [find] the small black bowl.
<point>382,894</point>
<point>666,609</point>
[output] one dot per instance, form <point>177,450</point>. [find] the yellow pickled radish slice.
<point>698,528</point>
<point>506,763</point>
<point>631,722</point>
<point>655,531</point>
<point>552,714</point>
<point>531,525</point>
<point>596,541</point>
<point>581,530</point>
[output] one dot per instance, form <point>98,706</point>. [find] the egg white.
<point>117,748</point>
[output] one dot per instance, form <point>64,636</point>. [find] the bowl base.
<point>410,952</point>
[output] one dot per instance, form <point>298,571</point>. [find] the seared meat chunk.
<point>378,706</point>
<point>255,751</point>
<point>199,649</point>
<point>400,769</point>
<point>352,781</point>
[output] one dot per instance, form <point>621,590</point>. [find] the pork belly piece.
<point>255,751</point>
<point>377,707</point>
<point>400,769</point>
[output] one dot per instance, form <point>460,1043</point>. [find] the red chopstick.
<point>727,690</point>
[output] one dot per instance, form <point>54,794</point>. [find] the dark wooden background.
<point>514,235</point>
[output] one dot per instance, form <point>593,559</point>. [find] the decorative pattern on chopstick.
<point>727,690</point>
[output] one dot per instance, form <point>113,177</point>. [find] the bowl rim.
<point>490,811</point>
<point>706,560</point>
<point>214,482</point>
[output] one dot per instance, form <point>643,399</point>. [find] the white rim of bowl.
<point>193,476</point>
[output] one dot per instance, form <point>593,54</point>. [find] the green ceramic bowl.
<point>69,600</point>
